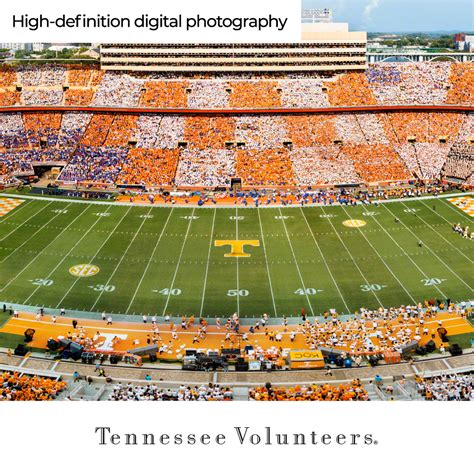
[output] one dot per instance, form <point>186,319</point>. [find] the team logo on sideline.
<point>354,223</point>
<point>237,246</point>
<point>84,270</point>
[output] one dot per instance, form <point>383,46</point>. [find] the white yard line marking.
<point>23,223</point>
<point>149,261</point>
<point>41,252</point>
<point>237,263</point>
<point>353,260</point>
<point>382,260</point>
<point>207,265</point>
<point>266,262</point>
<point>450,224</point>
<point>65,256</point>
<point>429,249</point>
<point>31,236</point>
<point>325,263</point>
<point>179,261</point>
<point>121,260</point>
<point>296,263</point>
<point>109,235</point>
<point>406,254</point>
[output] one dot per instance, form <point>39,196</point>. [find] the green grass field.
<point>158,260</point>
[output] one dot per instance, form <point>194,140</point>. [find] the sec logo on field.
<point>84,270</point>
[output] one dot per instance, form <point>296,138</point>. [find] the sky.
<point>401,15</point>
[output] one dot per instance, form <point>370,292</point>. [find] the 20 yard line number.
<point>42,282</point>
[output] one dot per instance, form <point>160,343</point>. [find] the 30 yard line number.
<point>103,288</point>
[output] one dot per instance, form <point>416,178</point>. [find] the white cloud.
<point>369,8</point>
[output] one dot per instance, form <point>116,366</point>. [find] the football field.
<point>213,262</point>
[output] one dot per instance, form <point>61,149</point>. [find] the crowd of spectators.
<point>150,167</point>
<point>382,83</point>
<point>447,387</point>
<point>373,332</point>
<point>262,150</point>
<point>205,168</point>
<point>20,387</point>
<point>461,84</point>
<point>151,392</point>
<point>353,391</point>
<point>159,131</point>
<point>409,83</point>
<point>98,164</point>
<point>165,94</point>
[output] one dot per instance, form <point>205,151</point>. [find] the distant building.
<point>464,42</point>
<point>17,46</point>
<point>38,47</point>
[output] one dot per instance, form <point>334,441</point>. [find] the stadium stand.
<point>446,387</point>
<point>262,150</point>
<point>344,392</point>
<point>383,84</point>
<point>21,387</point>
<point>151,392</point>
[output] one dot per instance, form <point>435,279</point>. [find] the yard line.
<point>266,262</point>
<point>381,259</point>
<point>325,263</point>
<point>109,235</point>
<point>403,250</point>
<point>237,265</point>
<point>353,260</point>
<point>14,211</point>
<point>149,261</point>
<point>429,248</point>
<point>177,265</point>
<point>41,252</point>
<point>296,263</point>
<point>207,266</point>
<point>23,223</point>
<point>31,236</point>
<point>450,224</point>
<point>121,260</point>
<point>67,254</point>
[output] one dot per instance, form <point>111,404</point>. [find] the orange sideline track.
<point>214,340</point>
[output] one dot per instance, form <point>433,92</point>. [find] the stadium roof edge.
<point>238,111</point>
